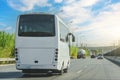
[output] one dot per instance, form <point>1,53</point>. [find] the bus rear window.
<point>36,25</point>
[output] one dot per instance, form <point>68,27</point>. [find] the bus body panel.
<point>36,59</point>
<point>43,52</point>
<point>64,54</point>
<point>63,47</point>
<point>37,42</point>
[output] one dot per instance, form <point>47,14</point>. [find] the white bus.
<point>42,43</point>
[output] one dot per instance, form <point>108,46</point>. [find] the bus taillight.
<point>16,53</point>
<point>56,54</point>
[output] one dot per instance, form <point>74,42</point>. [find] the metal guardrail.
<point>7,60</point>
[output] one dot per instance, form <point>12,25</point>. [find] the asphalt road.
<point>81,69</point>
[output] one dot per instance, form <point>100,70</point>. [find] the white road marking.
<point>79,71</point>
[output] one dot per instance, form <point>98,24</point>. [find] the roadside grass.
<point>87,52</point>
<point>74,52</point>
<point>6,45</point>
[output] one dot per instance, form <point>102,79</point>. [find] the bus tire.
<point>24,71</point>
<point>66,70</point>
<point>62,71</point>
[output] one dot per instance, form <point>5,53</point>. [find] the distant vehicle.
<point>42,43</point>
<point>93,56</point>
<point>81,54</point>
<point>100,56</point>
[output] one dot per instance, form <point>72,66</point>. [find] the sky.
<point>94,22</point>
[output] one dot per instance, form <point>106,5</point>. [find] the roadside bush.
<point>6,44</point>
<point>74,52</point>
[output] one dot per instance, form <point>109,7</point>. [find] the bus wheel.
<point>62,71</point>
<point>66,70</point>
<point>24,71</point>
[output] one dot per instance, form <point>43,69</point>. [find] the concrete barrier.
<point>114,60</point>
<point>113,55</point>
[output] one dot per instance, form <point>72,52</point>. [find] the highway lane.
<point>81,69</point>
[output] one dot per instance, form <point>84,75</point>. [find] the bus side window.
<point>63,32</point>
<point>61,39</point>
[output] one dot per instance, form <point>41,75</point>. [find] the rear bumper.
<point>38,67</point>
<point>39,70</point>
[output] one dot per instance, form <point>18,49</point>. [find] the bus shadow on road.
<point>8,75</point>
<point>5,75</point>
<point>37,75</point>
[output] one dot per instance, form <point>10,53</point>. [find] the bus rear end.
<point>36,42</point>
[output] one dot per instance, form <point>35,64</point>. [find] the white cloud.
<point>6,28</point>
<point>105,27</point>
<point>83,3</point>
<point>58,1</point>
<point>69,1</point>
<point>86,3</point>
<point>27,5</point>
<point>2,24</point>
<point>75,12</point>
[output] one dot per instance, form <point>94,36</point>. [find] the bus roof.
<point>37,13</point>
